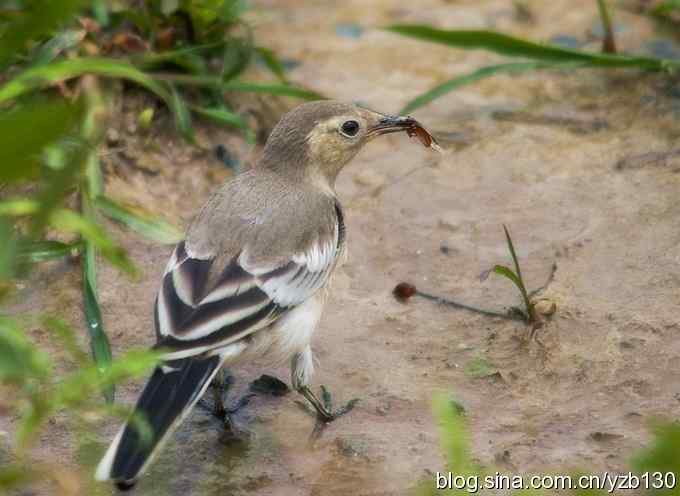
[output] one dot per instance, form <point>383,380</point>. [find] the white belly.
<point>287,336</point>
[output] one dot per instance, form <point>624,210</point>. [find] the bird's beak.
<point>389,124</point>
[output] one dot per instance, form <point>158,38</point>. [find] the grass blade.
<point>221,116</point>
<point>154,229</point>
<point>272,62</point>
<point>182,115</point>
<point>19,359</point>
<point>273,89</point>
<point>101,12</point>
<point>70,221</point>
<point>279,89</point>
<point>51,49</point>
<point>99,342</point>
<point>38,77</point>
<point>520,280</point>
<point>608,43</point>
<point>506,272</point>
<point>511,247</point>
<point>454,437</point>
<point>43,251</point>
<point>516,47</point>
<point>485,72</point>
<point>62,70</point>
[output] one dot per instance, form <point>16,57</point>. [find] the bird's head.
<point>317,139</point>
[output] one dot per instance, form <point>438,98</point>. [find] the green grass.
<point>536,56</point>
<point>58,60</point>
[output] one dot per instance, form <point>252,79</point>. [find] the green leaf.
<point>238,86</point>
<point>62,70</point>
<point>99,342</point>
<point>665,8</point>
<point>454,437</point>
<point>191,59</point>
<point>26,130</point>
<point>182,115</point>
<point>511,247</point>
<point>51,49</point>
<point>154,229</point>
<point>516,47</point>
<point>8,253</point>
<point>485,72</point>
<point>272,62</point>
<point>101,12</point>
<point>70,221</point>
<point>35,22</point>
<point>221,116</point>
<point>42,251</point>
<point>20,360</point>
<point>664,453</point>
<point>18,207</point>
<point>508,273</point>
<point>77,388</point>
<point>273,89</point>
<point>67,338</point>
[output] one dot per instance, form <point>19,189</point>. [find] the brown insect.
<point>416,129</point>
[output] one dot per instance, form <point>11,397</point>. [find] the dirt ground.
<point>576,163</point>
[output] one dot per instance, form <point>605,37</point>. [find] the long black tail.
<point>170,394</point>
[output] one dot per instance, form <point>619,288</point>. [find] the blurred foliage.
<point>36,392</point>
<point>658,459</point>
<point>56,61</point>
<point>539,56</point>
<point>667,10</point>
<point>53,110</point>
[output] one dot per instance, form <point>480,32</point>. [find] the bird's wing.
<point>201,306</point>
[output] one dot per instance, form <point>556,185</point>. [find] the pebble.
<point>545,306</point>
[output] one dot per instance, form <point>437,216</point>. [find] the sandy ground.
<point>575,163</point>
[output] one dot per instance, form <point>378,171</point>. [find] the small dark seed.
<point>403,291</point>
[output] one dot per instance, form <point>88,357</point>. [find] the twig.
<point>403,291</point>
<point>469,308</point>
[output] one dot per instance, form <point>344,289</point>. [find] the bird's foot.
<point>324,407</point>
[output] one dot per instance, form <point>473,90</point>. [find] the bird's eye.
<point>349,128</point>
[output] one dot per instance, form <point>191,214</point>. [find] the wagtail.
<point>251,276</point>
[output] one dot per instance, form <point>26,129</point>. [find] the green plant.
<point>666,9</point>
<point>529,312</point>
<point>660,460</point>
<point>36,393</point>
<point>186,53</point>
<point>539,56</point>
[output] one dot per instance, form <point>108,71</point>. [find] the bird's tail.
<point>169,395</point>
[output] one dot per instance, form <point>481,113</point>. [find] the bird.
<point>251,276</point>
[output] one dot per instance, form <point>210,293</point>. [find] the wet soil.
<point>583,168</point>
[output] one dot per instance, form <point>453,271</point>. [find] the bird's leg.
<point>302,367</point>
<point>220,388</point>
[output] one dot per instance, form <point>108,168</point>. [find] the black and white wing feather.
<point>197,312</point>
